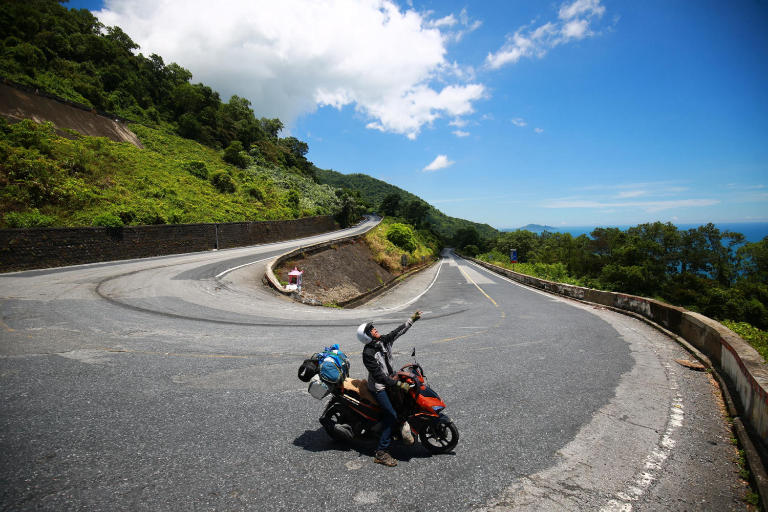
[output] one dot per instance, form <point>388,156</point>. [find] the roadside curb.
<point>368,296</point>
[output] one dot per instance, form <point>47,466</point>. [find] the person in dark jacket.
<point>377,358</point>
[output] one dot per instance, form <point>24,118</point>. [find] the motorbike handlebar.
<point>416,384</point>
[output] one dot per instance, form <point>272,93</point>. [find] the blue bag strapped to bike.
<point>333,365</point>
<point>332,369</point>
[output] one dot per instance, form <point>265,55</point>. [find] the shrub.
<point>109,220</point>
<point>223,182</point>
<point>293,199</point>
<point>235,155</point>
<point>470,250</point>
<point>197,169</point>
<point>402,236</point>
<point>30,219</point>
<point>256,193</point>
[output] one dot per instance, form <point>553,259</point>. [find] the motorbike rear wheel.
<point>334,423</point>
<point>439,437</point>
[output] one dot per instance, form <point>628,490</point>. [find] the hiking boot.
<point>383,457</point>
<point>406,434</point>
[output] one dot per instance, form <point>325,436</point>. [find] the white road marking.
<point>654,461</point>
<point>240,266</point>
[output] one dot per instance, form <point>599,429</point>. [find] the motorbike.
<point>349,415</point>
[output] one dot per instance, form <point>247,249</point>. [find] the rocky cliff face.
<point>16,104</point>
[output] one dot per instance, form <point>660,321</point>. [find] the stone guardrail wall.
<point>35,248</point>
<point>725,349</point>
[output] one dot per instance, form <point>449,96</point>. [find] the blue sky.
<point>582,112</point>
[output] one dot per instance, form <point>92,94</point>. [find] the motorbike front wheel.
<point>439,437</point>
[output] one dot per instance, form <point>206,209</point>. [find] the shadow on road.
<point>317,441</point>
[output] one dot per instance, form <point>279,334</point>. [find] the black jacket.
<point>377,358</point>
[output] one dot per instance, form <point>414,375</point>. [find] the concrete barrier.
<point>729,353</point>
<point>35,248</point>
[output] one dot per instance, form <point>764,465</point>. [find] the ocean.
<point>752,231</point>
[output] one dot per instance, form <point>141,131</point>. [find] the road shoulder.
<point>662,443</point>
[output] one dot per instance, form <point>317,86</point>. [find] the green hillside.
<point>374,191</point>
<point>207,160</point>
<point>48,180</point>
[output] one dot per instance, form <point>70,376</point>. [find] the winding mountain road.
<point>170,384</point>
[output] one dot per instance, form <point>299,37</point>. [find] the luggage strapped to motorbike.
<point>325,370</point>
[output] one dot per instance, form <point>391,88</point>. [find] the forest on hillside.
<point>393,201</point>
<point>69,53</point>
<point>704,269</point>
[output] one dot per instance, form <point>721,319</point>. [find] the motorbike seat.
<point>359,387</point>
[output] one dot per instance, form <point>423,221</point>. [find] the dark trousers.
<point>389,420</point>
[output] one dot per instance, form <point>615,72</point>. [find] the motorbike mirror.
<point>414,352</point>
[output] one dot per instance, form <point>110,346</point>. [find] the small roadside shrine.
<point>294,279</point>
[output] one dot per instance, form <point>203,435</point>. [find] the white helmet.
<point>364,333</point>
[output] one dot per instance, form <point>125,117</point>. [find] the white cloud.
<point>519,122</point>
<point>655,185</point>
<point>648,206</point>
<point>464,22</point>
<point>458,122</point>
<point>539,130</point>
<point>631,193</point>
<point>574,22</point>
<point>448,21</point>
<point>441,162</point>
<point>579,8</point>
<point>460,133</point>
<point>292,56</point>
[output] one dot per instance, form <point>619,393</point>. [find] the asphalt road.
<point>170,384</point>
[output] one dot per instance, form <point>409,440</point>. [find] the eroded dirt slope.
<point>338,273</point>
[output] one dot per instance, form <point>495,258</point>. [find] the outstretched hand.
<point>416,315</point>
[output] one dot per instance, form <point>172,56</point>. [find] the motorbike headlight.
<point>437,408</point>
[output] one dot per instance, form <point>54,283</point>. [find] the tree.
<point>349,209</point>
<point>754,258</point>
<point>415,211</point>
<point>705,253</point>
<point>390,205</point>
<point>297,148</point>
<point>271,126</point>
<point>120,38</point>
<point>187,99</point>
<point>189,128</point>
<point>467,236</point>
<point>524,241</point>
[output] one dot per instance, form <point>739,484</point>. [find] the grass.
<point>754,336</point>
<point>556,272</point>
<point>390,256</point>
<point>174,181</point>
